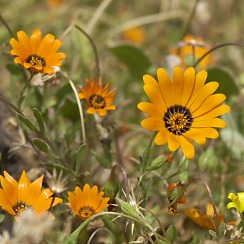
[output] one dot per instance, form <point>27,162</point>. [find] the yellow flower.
<point>237,202</point>
<point>136,34</point>
<point>36,53</point>
<point>87,202</point>
<point>16,197</point>
<point>204,220</point>
<point>191,49</point>
<point>182,110</point>
<point>97,97</point>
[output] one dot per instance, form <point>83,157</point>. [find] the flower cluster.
<point>17,197</point>
<point>183,110</point>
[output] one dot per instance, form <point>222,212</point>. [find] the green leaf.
<point>213,233</point>
<point>80,156</point>
<point>226,81</point>
<point>2,217</point>
<point>128,208</point>
<point>222,229</point>
<point>27,122</point>
<point>40,121</point>
<point>171,233</point>
<point>157,163</point>
<point>70,110</point>
<point>41,145</point>
<point>134,58</point>
<point>14,69</point>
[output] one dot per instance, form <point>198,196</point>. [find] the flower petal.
<point>177,85</point>
<point>155,97</point>
<point>161,137</point>
<point>153,124</point>
<point>187,147</point>
<point>165,86</point>
<point>189,82</point>
<point>205,92</point>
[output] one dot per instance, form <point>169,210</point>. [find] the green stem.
<point>217,47</point>
<point>74,236</point>
<point>7,26</point>
<point>79,106</point>
<point>148,151</point>
<point>91,42</point>
<point>99,10</point>
<point>126,181</point>
<point>187,25</point>
<point>21,96</point>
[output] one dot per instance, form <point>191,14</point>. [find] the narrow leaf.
<point>27,122</point>
<point>171,233</point>
<point>41,145</point>
<point>80,156</point>
<point>40,121</point>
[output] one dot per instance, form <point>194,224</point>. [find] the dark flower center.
<point>86,211</point>
<point>36,61</point>
<point>178,119</point>
<point>21,207</point>
<point>97,101</point>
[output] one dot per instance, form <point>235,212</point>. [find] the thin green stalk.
<point>126,181</point>
<point>7,26</point>
<point>21,96</point>
<point>91,42</point>
<point>191,16</point>
<point>148,19</point>
<point>215,48</point>
<point>79,106</point>
<point>99,11</point>
<point>148,151</point>
<point>74,236</point>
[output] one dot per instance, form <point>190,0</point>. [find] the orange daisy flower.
<point>16,197</point>
<point>87,202</point>
<point>191,49</point>
<point>136,35</point>
<point>183,109</point>
<point>98,97</point>
<point>36,53</point>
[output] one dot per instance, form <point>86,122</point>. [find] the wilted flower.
<point>204,220</point>
<point>16,197</point>
<point>56,182</point>
<point>191,49</point>
<point>32,227</point>
<point>42,79</point>
<point>176,195</point>
<point>97,97</point>
<point>87,202</point>
<point>36,53</point>
<point>183,109</point>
